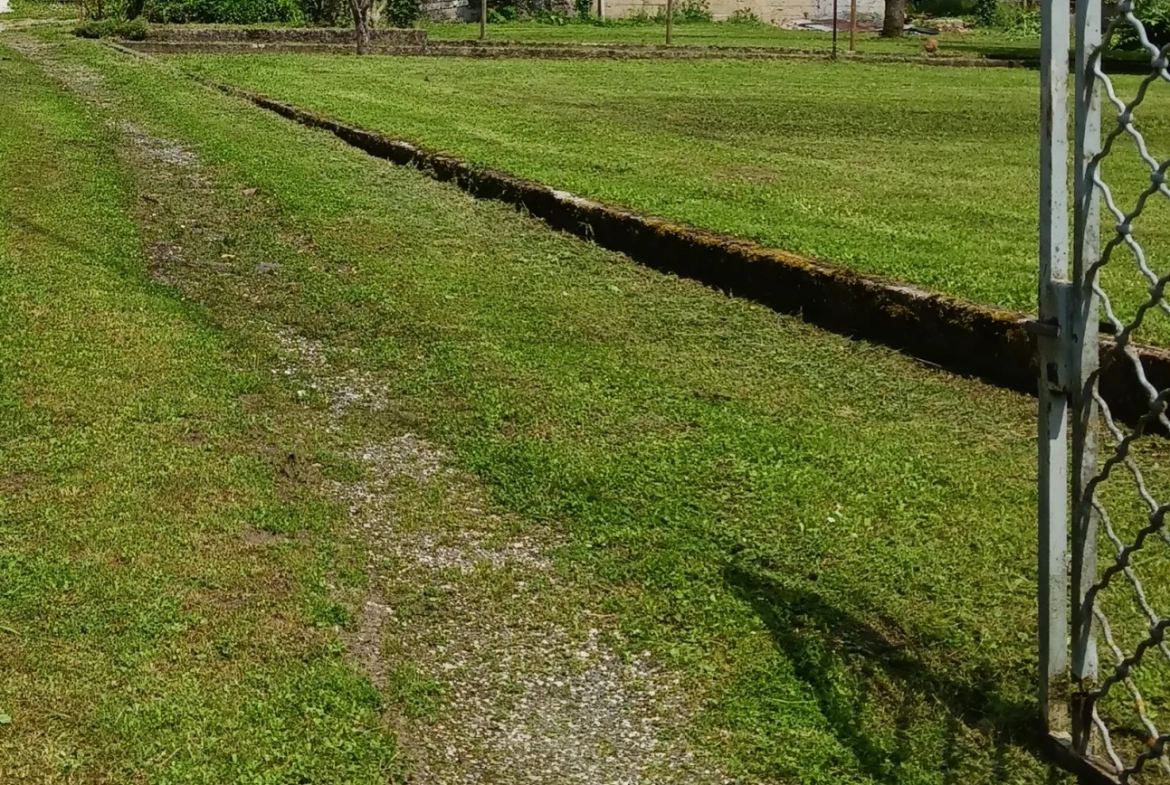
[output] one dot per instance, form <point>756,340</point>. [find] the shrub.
<point>105,9</point>
<point>584,9</point>
<point>500,11</point>
<point>93,29</point>
<point>693,11</point>
<point>1155,16</point>
<point>640,17</point>
<point>1018,20</point>
<point>744,16</point>
<point>325,13</point>
<point>986,12</point>
<point>237,12</point>
<point>1011,18</point>
<point>403,13</point>
<point>134,30</point>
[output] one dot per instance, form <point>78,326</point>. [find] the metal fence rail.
<point>1104,718</point>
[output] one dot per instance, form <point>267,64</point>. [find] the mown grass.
<point>734,34</point>
<point>32,9</point>
<point>143,636</point>
<point>834,545</point>
<point>925,175</point>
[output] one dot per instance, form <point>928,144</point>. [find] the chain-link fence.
<point>1106,717</point>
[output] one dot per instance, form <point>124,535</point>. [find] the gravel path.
<point>528,694</point>
<point>532,685</point>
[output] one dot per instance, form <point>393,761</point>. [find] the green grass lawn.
<point>143,637</point>
<point>925,175</point>
<point>31,9</point>
<point>831,544</point>
<point>733,34</point>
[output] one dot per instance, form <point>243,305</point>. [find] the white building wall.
<point>773,11</point>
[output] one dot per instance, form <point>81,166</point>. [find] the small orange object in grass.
<point>932,45</point>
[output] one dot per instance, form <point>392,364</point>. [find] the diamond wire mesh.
<point>1126,702</point>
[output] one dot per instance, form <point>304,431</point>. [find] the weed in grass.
<point>419,695</point>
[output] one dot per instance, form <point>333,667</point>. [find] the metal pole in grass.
<point>1055,384</point>
<point>669,21</point>
<point>482,20</point>
<point>1082,345</point>
<point>834,29</point>
<point>852,25</point>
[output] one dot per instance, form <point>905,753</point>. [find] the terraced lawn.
<point>736,34</point>
<point>314,468</point>
<point>925,175</point>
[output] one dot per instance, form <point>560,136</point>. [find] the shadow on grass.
<point>847,662</point>
<point>19,222</point>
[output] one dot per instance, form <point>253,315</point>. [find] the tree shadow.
<point>823,642</point>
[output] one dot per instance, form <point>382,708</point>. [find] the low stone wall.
<point>282,35</point>
<point>263,47</point>
<point>557,51</point>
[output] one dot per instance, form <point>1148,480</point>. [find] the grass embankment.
<point>149,629</point>
<point>833,545</point>
<point>735,34</point>
<point>922,175</point>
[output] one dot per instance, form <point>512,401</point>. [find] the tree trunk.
<point>895,20</point>
<point>361,25</point>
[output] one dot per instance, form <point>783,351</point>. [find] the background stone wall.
<point>451,10</point>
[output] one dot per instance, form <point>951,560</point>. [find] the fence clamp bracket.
<point>1055,363</point>
<point>1047,328</point>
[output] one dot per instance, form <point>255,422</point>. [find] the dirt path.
<point>495,668</point>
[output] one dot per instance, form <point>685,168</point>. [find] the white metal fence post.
<point>1053,388</point>
<point>1114,733</point>
<point>1083,346</point>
